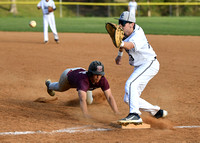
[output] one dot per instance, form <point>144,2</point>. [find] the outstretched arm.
<point>111,101</point>
<point>82,97</point>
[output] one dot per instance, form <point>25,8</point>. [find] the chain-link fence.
<point>83,9</point>
<point>142,10</point>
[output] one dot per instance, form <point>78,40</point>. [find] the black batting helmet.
<point>96,67</point>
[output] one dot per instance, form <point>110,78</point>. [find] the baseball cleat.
<point>45,42</point>
<point>131,118</point>
<point>57,41</point>
<point>161,114</point>
<point>51,92</point>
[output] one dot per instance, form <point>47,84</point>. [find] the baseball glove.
<point>116,33</point>
<point>50,9</point>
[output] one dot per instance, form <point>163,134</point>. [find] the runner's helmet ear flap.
<point>97,68</point>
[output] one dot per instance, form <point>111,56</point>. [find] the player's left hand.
<point>116,33</point>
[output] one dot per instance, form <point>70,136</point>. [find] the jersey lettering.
<point>83,72</point>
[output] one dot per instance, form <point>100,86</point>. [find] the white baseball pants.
<point>49,19</point>
<point>136,84</point>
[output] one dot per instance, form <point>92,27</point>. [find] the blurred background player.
<point>84,81</point>
<point>146,66</point>
<point>48,19</point>
<point>132,7</point>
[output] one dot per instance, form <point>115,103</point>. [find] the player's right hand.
<point>118,60</point>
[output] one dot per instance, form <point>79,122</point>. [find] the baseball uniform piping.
<point>137,78</point>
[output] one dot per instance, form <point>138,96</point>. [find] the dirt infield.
<point>25,63</point>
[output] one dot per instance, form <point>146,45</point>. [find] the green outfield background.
<point>152,25</point>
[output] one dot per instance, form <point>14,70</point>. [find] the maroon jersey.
<point>80,80</point>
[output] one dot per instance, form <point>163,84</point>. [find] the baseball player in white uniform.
<point>146,66</point>
<point>48,19</point>
<point>132,7</point>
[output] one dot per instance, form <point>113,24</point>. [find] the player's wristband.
<point>122,44</point>
<point>120,53</point>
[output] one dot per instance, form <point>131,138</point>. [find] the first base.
<point>131,125</point>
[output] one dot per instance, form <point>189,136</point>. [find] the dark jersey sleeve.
<point>104,84</point>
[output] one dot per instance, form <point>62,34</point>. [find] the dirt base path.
<point>25,63</point>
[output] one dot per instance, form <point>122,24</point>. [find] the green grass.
<point>151,25</point>
<point>171,25</point>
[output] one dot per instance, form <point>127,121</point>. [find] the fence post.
<point>177,10</point>
<point>138,10</point>
<point>60,8</point>
<point>108,10</point>
<point>77,10</point>
<point>170,10</point>
<point>149,9</point>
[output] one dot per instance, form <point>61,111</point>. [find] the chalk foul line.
<point>72,130</point>
<point>187,127</point>
<point>67,130</point>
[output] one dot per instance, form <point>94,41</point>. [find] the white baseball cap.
<point>127,16</point>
